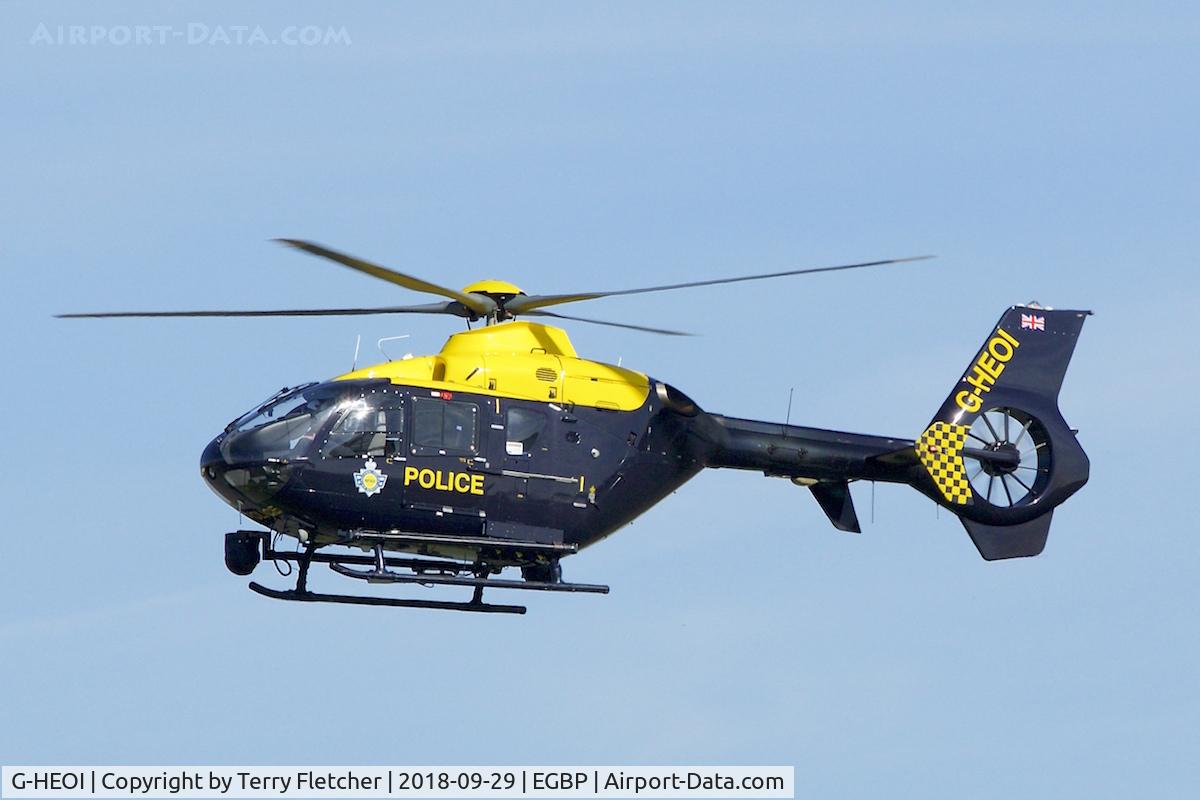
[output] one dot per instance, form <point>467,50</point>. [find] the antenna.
<point>379,344</point>
<point>357,343</point>
<point>791,392</point>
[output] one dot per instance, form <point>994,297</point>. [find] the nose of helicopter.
<point>213,468</point>
<point>246,484</point>
<point>212,464</point>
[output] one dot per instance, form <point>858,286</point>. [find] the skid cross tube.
<point>386,576</point>
<point>425,571</point>
<point>416,564</point>
<point>481,542</point>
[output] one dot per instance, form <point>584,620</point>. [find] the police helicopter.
<point>507,450</point>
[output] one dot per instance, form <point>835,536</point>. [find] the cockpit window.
<point>285,405</point>
<point>285,427</point>
<point>444,426</point>
<point>371,425</point>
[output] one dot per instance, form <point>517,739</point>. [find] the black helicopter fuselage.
<point>514,469</point>
<point>458,464</point>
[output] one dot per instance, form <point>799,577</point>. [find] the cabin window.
<point>444,426</point>
<point>369,426</point>
<point>522,426</point>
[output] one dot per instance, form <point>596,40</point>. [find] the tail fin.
<point>998,453</point>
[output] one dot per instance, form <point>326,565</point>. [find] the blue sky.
<point>1041,153</point>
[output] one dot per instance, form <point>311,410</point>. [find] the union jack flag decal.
<point>1033,322</point>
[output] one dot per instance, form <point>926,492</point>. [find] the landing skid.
<point>360,600</point>
<point>423,571</point>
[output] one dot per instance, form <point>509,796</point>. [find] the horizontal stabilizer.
<point>838,505</point>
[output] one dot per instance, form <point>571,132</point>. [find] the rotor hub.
<point>493,288</point>
<point>499,292</point>
<point>1000,468</point>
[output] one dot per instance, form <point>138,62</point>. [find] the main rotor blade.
<point>523,305</point>
<point>642,328</point>
<point>431,308</point>
<point>482,306</point>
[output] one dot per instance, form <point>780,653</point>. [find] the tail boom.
<point>998,452</point>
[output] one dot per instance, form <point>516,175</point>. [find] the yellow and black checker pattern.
<point>940,450</point>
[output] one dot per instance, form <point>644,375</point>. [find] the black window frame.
<point>418,447</point>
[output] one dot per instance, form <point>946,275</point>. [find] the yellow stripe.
<point>940,450</point>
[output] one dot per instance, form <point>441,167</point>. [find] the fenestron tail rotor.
<point>1023,476</point>
<point>494,301</point>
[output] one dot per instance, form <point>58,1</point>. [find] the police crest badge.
<point>370,480</point>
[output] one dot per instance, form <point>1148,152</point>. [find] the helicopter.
<point>507,450</point>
